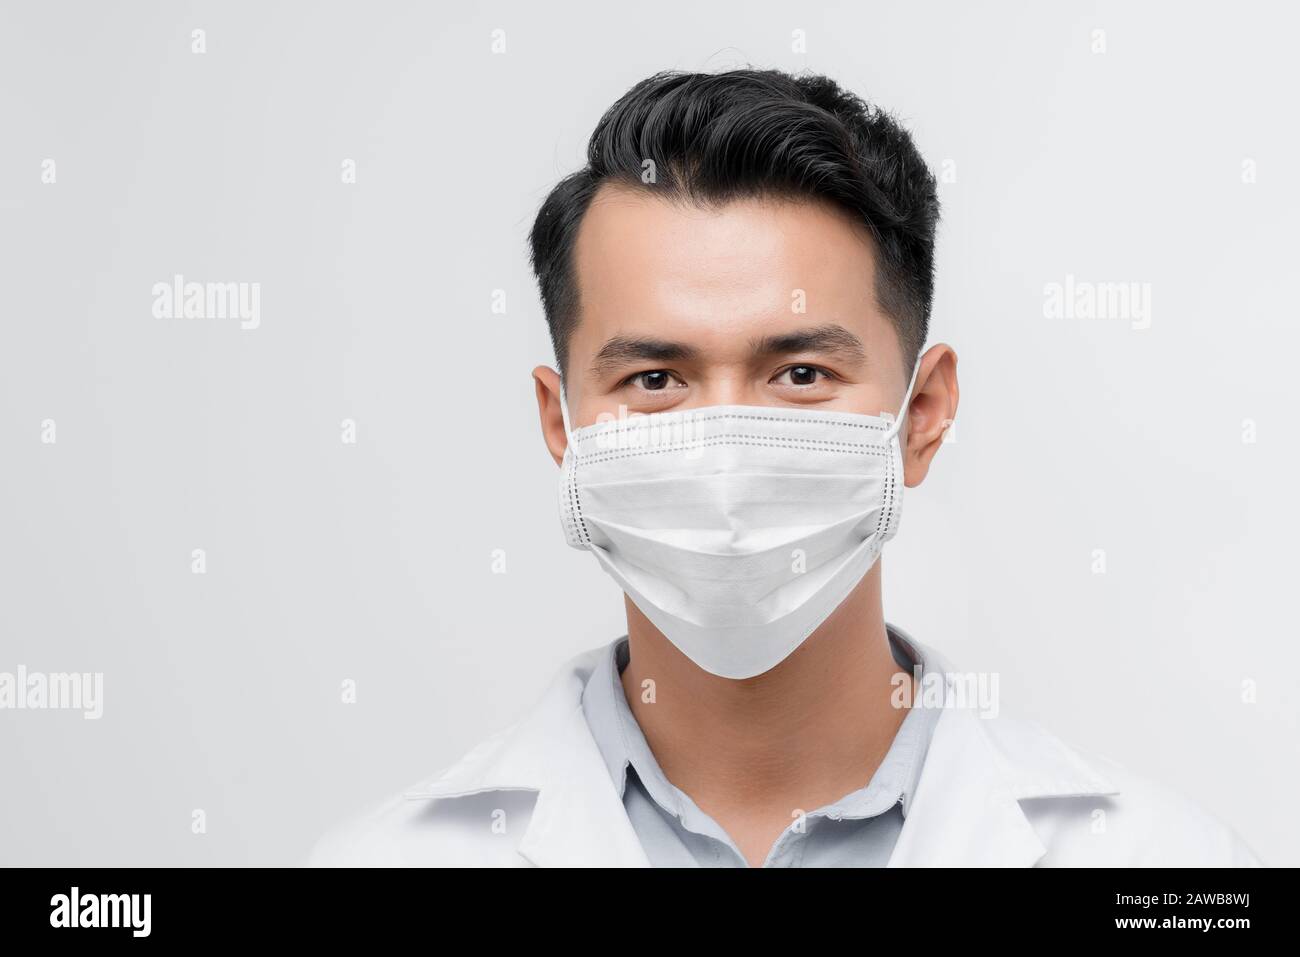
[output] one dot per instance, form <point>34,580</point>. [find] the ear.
<point>932,410</point>
<point>546,382</point>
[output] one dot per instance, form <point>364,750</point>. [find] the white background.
<point>372,561</point>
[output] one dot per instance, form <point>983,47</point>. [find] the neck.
<point>799,736</point>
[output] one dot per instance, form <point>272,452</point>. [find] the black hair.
<point>717,137</point>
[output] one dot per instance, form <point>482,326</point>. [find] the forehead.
<point>746,267</point>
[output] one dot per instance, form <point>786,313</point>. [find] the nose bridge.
<point>726,383</point>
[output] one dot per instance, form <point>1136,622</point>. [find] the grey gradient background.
<point>372,561</point>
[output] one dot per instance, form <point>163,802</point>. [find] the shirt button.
<point>834,815</point>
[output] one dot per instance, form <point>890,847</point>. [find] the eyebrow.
<point>830,339</point>
<point>622,350</point>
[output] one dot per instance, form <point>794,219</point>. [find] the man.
<point>738,288</point>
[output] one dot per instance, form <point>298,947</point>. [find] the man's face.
<point>759,302</point>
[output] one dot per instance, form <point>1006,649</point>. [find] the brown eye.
<point>653,381</point>
<point>801,376</point>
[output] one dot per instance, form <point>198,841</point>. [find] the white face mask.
<point>736,530</point>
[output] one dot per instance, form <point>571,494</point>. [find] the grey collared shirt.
<point>858,830</point>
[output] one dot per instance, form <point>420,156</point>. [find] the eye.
<point>801,375</point>
<point>656,380</point>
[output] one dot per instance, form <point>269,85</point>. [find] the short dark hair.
<point>717,137</point>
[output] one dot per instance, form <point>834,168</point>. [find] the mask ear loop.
<point>907,400</point>
<point>564,413</point>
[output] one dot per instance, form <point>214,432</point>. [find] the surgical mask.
<point>736,530</point>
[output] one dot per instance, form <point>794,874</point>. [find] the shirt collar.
<point>966,811</point>
<point>913,739</point>
<point>603,705</point>
<point>621,742</point>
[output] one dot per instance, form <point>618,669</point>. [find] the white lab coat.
<point>993,792</point>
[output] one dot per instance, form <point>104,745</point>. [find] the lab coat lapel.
<point>966,810</point>
<point>578,818</point>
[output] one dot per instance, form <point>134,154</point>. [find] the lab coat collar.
<point>578,819</point>
<point>965,811</point>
